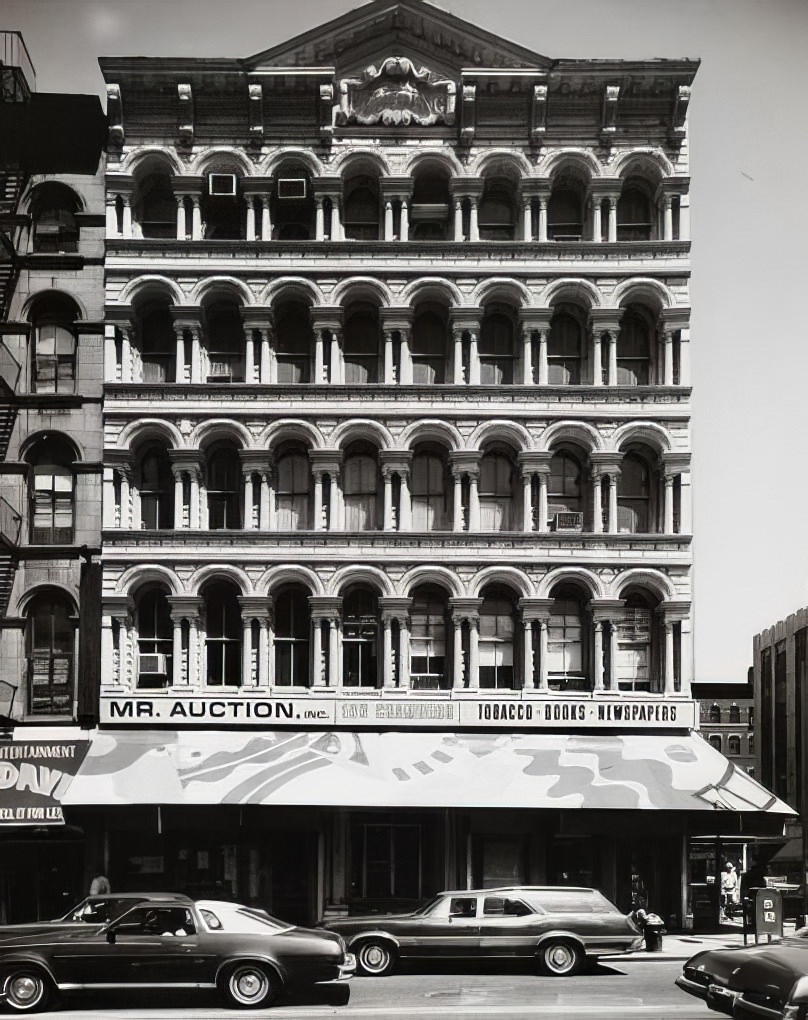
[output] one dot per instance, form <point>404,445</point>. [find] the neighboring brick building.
<point>727,720</point>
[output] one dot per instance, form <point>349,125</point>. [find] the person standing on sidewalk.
<point>729,885</point>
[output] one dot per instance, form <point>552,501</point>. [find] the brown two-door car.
<point>250,957</point>
<point>561,927</point>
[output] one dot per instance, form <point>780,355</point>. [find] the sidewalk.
<point>682,947</point>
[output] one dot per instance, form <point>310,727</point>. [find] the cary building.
<point>397,508</point>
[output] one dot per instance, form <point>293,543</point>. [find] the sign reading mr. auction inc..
<point>34,777</point>
<point>388,712</point>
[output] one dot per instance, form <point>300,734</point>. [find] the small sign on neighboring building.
<point>34,776</point>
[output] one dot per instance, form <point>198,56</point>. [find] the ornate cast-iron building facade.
<point>397,515</point>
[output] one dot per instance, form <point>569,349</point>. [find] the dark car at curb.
<point>252,959</point>
<point>767,981</point>
<point>562,927</point>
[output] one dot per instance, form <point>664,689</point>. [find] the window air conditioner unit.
<point>154,664</point>
<point>292,187</point>
<point>222,185</point>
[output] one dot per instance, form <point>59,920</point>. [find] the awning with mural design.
<point>680,772</point>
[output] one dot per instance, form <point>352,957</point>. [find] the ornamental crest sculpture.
<point>397,93</point>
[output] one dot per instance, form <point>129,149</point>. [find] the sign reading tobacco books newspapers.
<point>34,777</point>
<point>389,712</point>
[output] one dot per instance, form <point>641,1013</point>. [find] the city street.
<point>639,989</point>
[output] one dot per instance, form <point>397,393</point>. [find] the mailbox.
<point>768,912</point>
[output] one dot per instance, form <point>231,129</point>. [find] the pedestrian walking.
<point>729,887</point>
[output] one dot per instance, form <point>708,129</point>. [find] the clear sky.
<point>748,150</point>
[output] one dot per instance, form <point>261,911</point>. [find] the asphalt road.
<point>617,991</point>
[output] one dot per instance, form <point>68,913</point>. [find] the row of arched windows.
<point>733,743</point>
<point>429,645</point>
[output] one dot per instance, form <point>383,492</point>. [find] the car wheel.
<point>375,958</point>
<point>560,958</point>
<point>26,990</point>
<point>250,986</point>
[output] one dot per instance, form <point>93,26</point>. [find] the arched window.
<point>634,222</point>
<point>715,741</point>
<point>714,714</point>
<point>293,204</point>
<point>635,662</point>
<point>361,208</point>
<point>155,206</point>
<point>565,210</point>
<point>497,478</point>
<point>361,488</point>
<point>734,714</point>
<point>50,642</point>
<point>51,492</point>
<point>223,634</point>
<point>634,495</point>
<point>496,348</point>
<point>497,210</point>
<point>429,209</point>
<point>293,488</point>
<point>292,629</point>
<point>565,504</point>
<point>634,349</point>
<point>733,744</point>
<point>293,343</point>
<point>155,632</point>
<point>361,356</point>
<point>53,368</point>
<point>496,643</point>
<point>53,213</point>
<point>429,489</point>
<point>428,649</point>
<point>223,207</point>
<point>429,349</point>
<point>226,342</point>
<point>155,482</point>
<point>223,484</point>
<point>158,342</point>
<point>360,634</point>
<point>568,641</point>
<point>565,348</point>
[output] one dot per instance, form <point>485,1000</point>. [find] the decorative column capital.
<point>466,318</point>
<point>465,609</point>
<point>675,318</point>
<point>185,607</point>
<point>534,462</point>
<point>606,610</point>
<point>394,607</point>
<point>465,462</point>
<point>605,462</point>
<point>673,610</point>
<point>325,607</point>
<point>119,607</point>
<point>535,609</point>
<point>327,317</point>
<point>605,320</point>
<point>326,461</point>
<point>186,460</point>
<point>395,462</point>
<point>675,463</point>
<point>535,320</point>
<point>255,460</point>
<point>256,607</point>
<point>397,318</point>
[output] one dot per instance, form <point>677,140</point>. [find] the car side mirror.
<point>111,936</point>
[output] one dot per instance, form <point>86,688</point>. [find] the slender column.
<point>612,380</point>
<point>405,358</point>
<point>271,677</point>
<point>528,650</point>
<point>405,502</point>
<point>543,655</point>
<point>543,371</point>
<point>597,509</point>
<point>388,501</point>
<point>597,360</point>
<point>107,649</point>
<point>196,218</point>
<point>110,354</point>
<point>264,671</point>
<point>179,356</point>
<point>405,219</point>
<point>126,502</point>
<point>612,503</point>
<point>388,220</point>
<point>596,223</point>
<point>684,217</point>
<point>668,506</point>
<point>474,360</point>
<point>598,655</point>
<point>527,357</point>
<point>319,357</point>
<point>543,502</point>
<point>246,652</point>
<point>194,679</point>
<point>388,357</point>
<point>668,218</point>
<point>527,219</point>
<point>527,502</point>
<point>334,642</point>
<point>204,508</point>
<point>250,218</point>
<point>388,672</point>
<point>542,219</point>
<point>457,681</point>
<point>337,366</point>
<point>669,677</point>
<point>685,504</point>
<point>318,501</point>
<point>249,522</point>
<point>458,220</point>
<point>608,643</point>
<point>668,357</point>
<point>334,523</point>
<point>457,508</point>
<point>474,504</point>
<point>249,358</point>
<point>266,357</point>
<point>266,219</point>
<point>108,503</point>
<point>179,500</point>
<point>180,200</point>
<point>317,678</point>
<point>127,215</point>
<point>112,215</point>
<point>194,512</point>
<point>319,220</point>
<point>474,654</point>
<point>458,357</point>
<point>612,220</point>
<point>176,649</point>
<point>196,357</point>
<point>328,225</point>
<point>474,225</point>
<point>126,355</point>
<point>125,677</point>
<point>266,504</point>
<point>404,654</point>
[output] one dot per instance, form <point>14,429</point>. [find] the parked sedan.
<point>767,981</point>
<point>250,957</point>
<point>561,927</point>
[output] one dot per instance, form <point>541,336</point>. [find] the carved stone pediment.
<point>397,93</point>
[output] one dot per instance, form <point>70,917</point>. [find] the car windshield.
<point>429,906</point>
<point>98,909</point>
